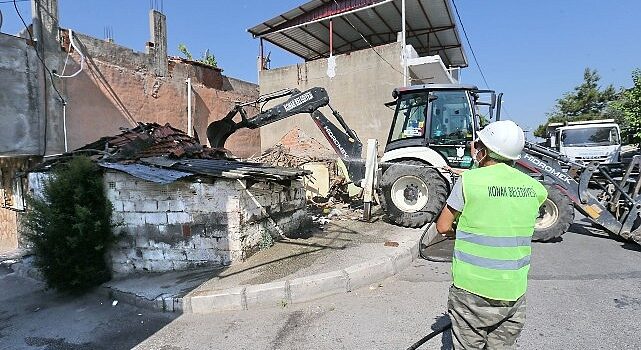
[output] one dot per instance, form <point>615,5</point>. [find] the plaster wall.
<point>21,115</point>
<point>362,84</point>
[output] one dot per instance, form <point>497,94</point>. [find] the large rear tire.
<point>412,194</point>
<point>555,216</point>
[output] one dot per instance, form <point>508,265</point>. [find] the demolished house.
<point>178,204</point>
<point>298,150</point>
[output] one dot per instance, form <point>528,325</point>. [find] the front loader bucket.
<point>631,182</point>
<point>219,131</point>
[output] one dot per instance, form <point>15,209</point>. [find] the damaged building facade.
<point>102,87</point>
<point>178,204</point>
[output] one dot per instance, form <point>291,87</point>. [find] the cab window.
<point>452,118</point>
<point>411,114</point>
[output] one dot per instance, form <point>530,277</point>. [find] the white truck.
<point>587,141</point>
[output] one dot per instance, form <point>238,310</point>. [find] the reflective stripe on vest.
<point>493,241</point>
<point>493,237</point>
<point>494,264</point>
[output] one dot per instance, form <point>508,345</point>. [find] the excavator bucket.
<point>219,131</point>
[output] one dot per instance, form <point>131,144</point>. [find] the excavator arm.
<point>343,139</point>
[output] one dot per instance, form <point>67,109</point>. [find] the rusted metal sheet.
<point>229,169</point>
<point>153,174</point>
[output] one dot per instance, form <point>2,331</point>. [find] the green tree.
<point>628,107</point>
<point>183,49</point>
<point>586,102</point>
<point>207,57</point>
<point>69,227</point>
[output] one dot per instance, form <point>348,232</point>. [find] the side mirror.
<point>499,102</point>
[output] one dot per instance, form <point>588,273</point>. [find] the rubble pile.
<point>295,149</point>
<point>154,140</point>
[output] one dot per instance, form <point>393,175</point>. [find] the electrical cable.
<point>422,247</point>
<point>430,336</point>
<point>11,1</point>
<point>15,5</point>
<point>82,59</point>
<point>470,45</point>
<point>368,43</point>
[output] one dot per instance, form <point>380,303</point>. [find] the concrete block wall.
<point>189,223</point>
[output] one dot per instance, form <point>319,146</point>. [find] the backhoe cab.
<point>432,129</point>
<point>443,118</point>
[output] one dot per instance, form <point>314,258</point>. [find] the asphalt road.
<point>34,318</point>
<point>585,293</point>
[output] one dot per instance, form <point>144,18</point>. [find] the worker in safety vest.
<point>496,207</point>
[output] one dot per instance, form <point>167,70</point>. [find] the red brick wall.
<point>118,89</point>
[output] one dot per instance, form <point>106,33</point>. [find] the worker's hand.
<point>449,235</point>
<point>445,222</point>
<point>452,170</point>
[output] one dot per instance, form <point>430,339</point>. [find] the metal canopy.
<point>305,30</point>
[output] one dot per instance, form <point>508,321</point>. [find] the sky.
<point>532,50</point>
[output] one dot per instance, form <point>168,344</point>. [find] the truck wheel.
<point>413,195</point>
<point>555,216</point>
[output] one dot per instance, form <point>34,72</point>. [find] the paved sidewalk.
<point>347,255</point>
<point>342,255</point>
<point>338,257</point>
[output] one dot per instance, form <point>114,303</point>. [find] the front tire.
<point>412,194</point>
<point>555,216</point>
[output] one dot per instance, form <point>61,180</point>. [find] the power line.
<point>368,43</point>
<point>15,5</point>
<point>11,1</point>
<point>470,45</point>
<point>474,56</point>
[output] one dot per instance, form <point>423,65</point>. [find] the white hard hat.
<point>504,138</point>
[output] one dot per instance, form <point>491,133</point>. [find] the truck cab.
<point>597,140</point>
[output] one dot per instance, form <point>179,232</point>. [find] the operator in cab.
<point>495,207</point>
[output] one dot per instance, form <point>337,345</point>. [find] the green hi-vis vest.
<point>494,232</point>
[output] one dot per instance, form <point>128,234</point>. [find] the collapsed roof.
<point>164,154</point>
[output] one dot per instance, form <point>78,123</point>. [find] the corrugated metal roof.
<point>304,31</point>
<point>228,169</point>
<point>141,171</point>
<point>165,171</point>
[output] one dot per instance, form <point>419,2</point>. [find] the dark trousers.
<point>481,323</point>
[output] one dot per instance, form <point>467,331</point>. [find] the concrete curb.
<point>282,293</point>
<point>303,289</point>
<point>163,302</point>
